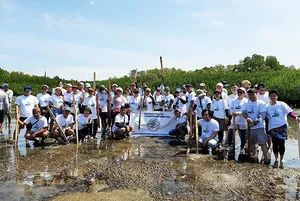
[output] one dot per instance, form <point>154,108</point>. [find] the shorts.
<point>211,143</point>
<point>104,115</point>
<point>258,136</point>
<point>239,126</point>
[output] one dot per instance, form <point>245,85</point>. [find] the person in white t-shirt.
<point>255,112</point>
<point>102,99</point>
<point>25,104</point>
<point>209,130</point>
<point>68,90</point>
<point>39,126</point>
<point>134,101</point>
<point>84,123</point>
<point>121,128</point>
<point>73,98</point>
<point>263,94</point>
<point>80,93</point>
<point>158,99</point>
<point>236,110</point>
<point>168,100</point>
<point>233,94</point>
<point>190,98</point>
<point>90,101</point>
<point>201,102</point>
<point>220,112</point>
<point>4,106</point>
<point>59,85</point>
<point>184,91</point>
<point>246,84</point>
<point>148,100</point>
<point>179,101</point>
<point>277,112</point>
<point>66,122</point>
<point>10,94</point>
<point>224,93</point>
<point>57,102</point>
<point>182,127</point>
<point>44,99</point>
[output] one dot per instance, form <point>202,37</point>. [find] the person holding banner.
<point>209,131</point>
<point>148,100</point>
<point>121,128</point>
<point>158,99</point>
<point>277,112</point>
<point>182,127</point>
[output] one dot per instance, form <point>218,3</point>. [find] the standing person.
<point>158,99</point>
<point>102,99</point>
<point>4,106</point>
<point>118,101</point>
<point>233,94</point>
<point>202,87</point>
<point>255,112</point>
<point>263,94</point>
<point>44,98</point>
<point>10,95</point>
<point>25,104</point>
<point>236,110</point>
<point>179,101</point>
<point>209,130</point>
<point>69,100</point>
<point>148,100</point>
<point>220,112</point>
<point>182,127</point>
<point>68,90</point>
<point>39,127</point>
<point>201,102</point>
<point>127,94</point>
<point>84,123</point>
<point>80,93</point>
<point>190,98</point>
<point>246,84</point>
<point>66,121</point>
<point>57,101</point>
<point>184,91</point>
<point>60,85</point>
<point>90,101</point>
<point>168,99</point>
<point>134,100</point>
<point>220,87</point>
<point>277,112</point>
<point>121,128</point>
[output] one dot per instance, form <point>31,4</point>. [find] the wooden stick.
<point>233,134</point>
<point>95,81</point>
<point>17,130</point>
<point>196,133</point>
<point>76,120</point>
<point>298,133</point>
<point>249,140</point>
<point>140,113</point>
<point>162,70</point>
<point>109,108</point>
<point>191,132</point>
<point>62,134</point>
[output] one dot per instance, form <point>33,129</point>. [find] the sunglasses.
<point>44,88</point>
<point>240,92</point>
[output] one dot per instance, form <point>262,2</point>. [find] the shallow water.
<point>150,166</point>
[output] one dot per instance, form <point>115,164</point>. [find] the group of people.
<point>246,106</point>
<point>249,108</point>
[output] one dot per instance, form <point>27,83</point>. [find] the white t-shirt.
<point>118,102</point>
<point>63,91</point>
<point>91,102</point>
<point>224,94</point>
<point>277,114</point>
<point>148,101</point>
<point>253,110</point>
<point>191,97</point>
<point>82,121</point>
<point>208,128</point>
<point>238,106</point>
<point>183,119</point>
<point>26,104</point>
<point>42,123</point>
<point>102,101</point>
<point>119,119</point>
<point>43,99</point>
<point>64,122</point>
<point>134,102</point>
<point>231,98</point>
<point>69,99</point>
<point>158,100</point>
<point>265,98</point>
<point>219,108</point>
<point>80,95</point>
<point>181,106</point>
<point>168,99</point>
<point>67,93</point>
<point>200,107</point>
<point>57,100</point>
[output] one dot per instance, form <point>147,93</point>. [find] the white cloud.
<point>92,2</point>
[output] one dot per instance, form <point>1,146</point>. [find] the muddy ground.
<point>138,169</point>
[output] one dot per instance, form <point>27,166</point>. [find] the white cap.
<point>220,84</point>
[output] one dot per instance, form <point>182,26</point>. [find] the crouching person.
<point>120,127</point>
<point>182,128</point>
<point>39,127</point>
<point>210,128</point>
<point>85,123</point>
<point>66,122</point>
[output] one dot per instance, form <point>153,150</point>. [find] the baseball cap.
<point>87,85</point>
<point>75,86</point>
<point>119,89</point>
<point>252,90</point>
<point>70,85</point>
<point>218,91</point>
<point>188,86</point>
<point>5,85</point>
<point>167,89</point>
<point>91,90</point>
<point>261,86</point>
<point>201,93</point>
<point>244,82</point>
<point>114,85</point>
<point>135,91</point>
<point>242,89</point>
<point>178,90</point>
<point>45,86</point>
<point>88,109</point>
<point>81,84</point>
<point>147,89</point>
<point>202,84</point>
<point>219,84</point>
<point>27,87</point>
<point>67,108</point>
<point>158,89</point>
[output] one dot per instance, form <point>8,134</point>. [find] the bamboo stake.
<point>17,130</point>
<point>95,81</point>
<point>76,120</point>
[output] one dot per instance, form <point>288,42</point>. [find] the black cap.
<point>27,87</point>
<point>261,86</point>
<point>188,86</point>
<point>252,90</point>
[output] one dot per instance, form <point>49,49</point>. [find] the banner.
<point>152,123</point>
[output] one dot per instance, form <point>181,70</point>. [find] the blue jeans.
<point>243,136</point>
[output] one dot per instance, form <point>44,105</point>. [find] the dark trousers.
<point>1,116</point>
<point>243,136</point>
<point>278,145</point>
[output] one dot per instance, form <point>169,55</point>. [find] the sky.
<point>74,38</point>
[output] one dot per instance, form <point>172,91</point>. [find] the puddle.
<point>140,168</point>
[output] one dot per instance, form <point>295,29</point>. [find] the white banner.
<point>152,123</point>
